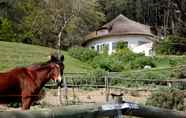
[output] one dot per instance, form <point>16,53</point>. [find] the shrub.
<point>83,54</point>
<point>117,66</point>
<point>123,59</point>
<point>141,62</point>
<point>172,62</point>
<point>172,45</point>
<point>6,30</point>
<point>167,98</point>
<point>148,74</point>
<point>179,73</point>
<point>103,62</point>
<point>98,76</point>
<point>125,55</point>
<point>121,45</point>
<point>155,75</point>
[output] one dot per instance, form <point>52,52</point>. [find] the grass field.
<point>18,54</point>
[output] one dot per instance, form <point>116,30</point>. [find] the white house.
<point>138,37</point>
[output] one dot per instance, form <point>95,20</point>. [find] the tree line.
<point>45,22</point>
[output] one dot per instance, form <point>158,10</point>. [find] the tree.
<point>74,18</point>
<point>6,30</point>
<point>34,23</point>
<point>7,8</point>
<point>165,16</point>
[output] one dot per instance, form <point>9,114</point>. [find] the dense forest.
<point>43,22</point>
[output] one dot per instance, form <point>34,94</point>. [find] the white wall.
<point>133,43</point>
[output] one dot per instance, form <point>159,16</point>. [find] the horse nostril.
<point>59,83</point>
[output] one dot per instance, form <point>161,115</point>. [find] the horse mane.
<point>43,66</point>
<point>53,59</point>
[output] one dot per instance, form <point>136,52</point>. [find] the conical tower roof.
<point>124,25</point>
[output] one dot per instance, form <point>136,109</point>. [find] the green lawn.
<point>18,54</point>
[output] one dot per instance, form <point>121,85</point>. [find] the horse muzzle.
<point>59,80</point>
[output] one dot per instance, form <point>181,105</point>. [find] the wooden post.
<point>107,87</point>
<point>74,96</point>
<point>65,90</point>
<point>117,99</point>
<point>59,95</point>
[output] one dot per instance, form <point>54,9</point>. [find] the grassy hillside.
<point>18,54</point>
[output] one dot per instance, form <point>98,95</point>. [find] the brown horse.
<point>53,59</point>
<point>24,83</point>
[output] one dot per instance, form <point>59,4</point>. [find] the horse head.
<point>55,74</point>
<point>54,58</point>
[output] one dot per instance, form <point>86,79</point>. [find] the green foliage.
<point>149,74</point>
<point>103,62</point>
<point>180,72</point>
<point>172,45</point>
<point>39,22</point>
<point>77,18</point>
<point>123,59</point>
<point>121,45</point>
<point>167,98</point>
<point>83,54</point>
<point>141,62</point>
<point>145,11</point>
<point>6,30</point>
<point>126,55</point>
<point>113,8</point>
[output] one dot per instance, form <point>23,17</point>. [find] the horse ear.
<point>62,58</point>
<point>53,58</point>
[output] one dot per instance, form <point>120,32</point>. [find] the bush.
<point>126,55</point>
<point>6,30</point>
<point>103,62</point>
<point>148,74</point>
<point>83,54</point>
<point>121,45</point>
<point>123,59</point>
<point>141,62</point>
<point>180,73</point>
<point>167,98</point>
<point>172,45</point>
<point>155,75</point>
<point>117,66</point>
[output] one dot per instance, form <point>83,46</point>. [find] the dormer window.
<point>102,31</point>
<point>141,42</point>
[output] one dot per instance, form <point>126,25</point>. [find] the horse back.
<point>10,81</point>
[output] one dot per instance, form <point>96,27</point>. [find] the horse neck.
<point>42,76</point>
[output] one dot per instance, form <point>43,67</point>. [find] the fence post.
<point>107,87</point>
<point>73,90</point>
<point>59,93</point>
<point>65,90</point>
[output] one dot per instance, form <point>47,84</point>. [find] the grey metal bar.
<point>94,111</point>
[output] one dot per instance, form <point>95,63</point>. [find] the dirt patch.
<point>94,96</point>
<point>81,96</point>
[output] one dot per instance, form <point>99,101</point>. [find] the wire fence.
<point>109,82</point>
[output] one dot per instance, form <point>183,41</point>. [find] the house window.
<point>121,45</point>
<point>98,48</point>
<point>105,48</point>
<point>141,42</point>
<point>114,45</point>
<point>102,48</point>
<point>92,47</point>
<point>102,32</point>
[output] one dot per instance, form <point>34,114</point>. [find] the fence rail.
<point>95,111</point>
<point>81,80</point>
